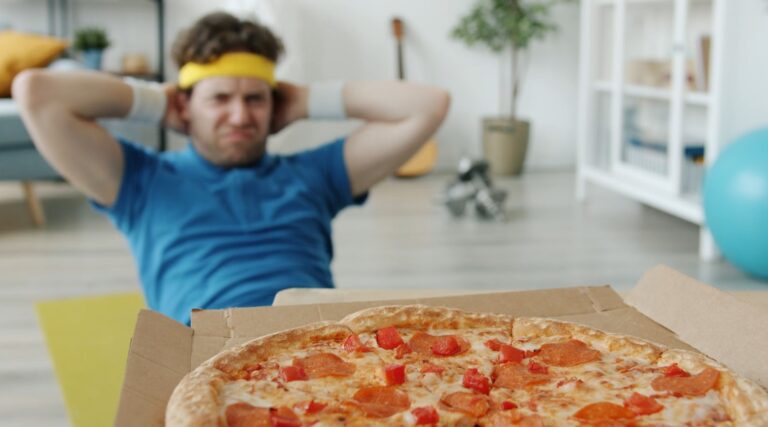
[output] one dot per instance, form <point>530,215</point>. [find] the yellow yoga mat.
<point>88,339</point>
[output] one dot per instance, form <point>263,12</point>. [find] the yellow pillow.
<point>19,51</point>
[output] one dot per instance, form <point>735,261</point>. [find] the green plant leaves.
<point>498,24</point>
<point>91,38</point>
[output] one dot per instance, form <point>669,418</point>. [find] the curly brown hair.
<point>218,33</point>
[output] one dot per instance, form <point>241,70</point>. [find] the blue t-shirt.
<point>209,237</point>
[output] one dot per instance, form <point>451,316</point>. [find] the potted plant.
<point>507,25</point>
<point>91,41</point>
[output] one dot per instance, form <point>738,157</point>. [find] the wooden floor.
<point>402,239</point>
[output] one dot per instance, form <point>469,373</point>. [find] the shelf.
<point>697,98</point>
<point>647,92</point>
<point>686,207</point>
<point>603,86</point>
<point>637,60</point>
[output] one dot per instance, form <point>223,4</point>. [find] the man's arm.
<point>60,111</point>
<point>400,117</point>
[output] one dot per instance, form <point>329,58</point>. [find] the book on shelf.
<point>692,149</point>
<point>701,59</point>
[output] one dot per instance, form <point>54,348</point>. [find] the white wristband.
<point>149,101</point>
<point>326,101</point>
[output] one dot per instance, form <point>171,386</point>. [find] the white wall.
<point>24,16</point>
<point>352,39</point>
<point>744,90</point>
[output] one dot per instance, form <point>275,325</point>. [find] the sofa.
<point>19,160</point>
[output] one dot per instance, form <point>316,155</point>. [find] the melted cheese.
<point>570,389</point>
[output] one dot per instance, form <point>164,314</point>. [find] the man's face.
<point>229,119</point>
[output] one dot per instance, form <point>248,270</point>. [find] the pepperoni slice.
<point>568,353</point>
<point>603,411</point>
<point>421,343</point>
<point>695,385</point>
<point>444,345</point>
<point>324,365</point>
<point>641,404</point>
<point>242,414</point>
<point>508,353</point>
<point>472,404</point>
<point>514,376</point>
<point>494,344</point>
<point>284,417</point>
<point>381,402</point>
<point>292,373</point>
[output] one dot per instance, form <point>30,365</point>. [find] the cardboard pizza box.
<point>665,306</point>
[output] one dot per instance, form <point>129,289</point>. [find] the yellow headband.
<point>236,64</point>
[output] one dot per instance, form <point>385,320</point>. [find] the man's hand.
<point>173,119</point>
<point>290,104</point>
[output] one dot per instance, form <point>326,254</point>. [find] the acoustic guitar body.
<point>424,160</point>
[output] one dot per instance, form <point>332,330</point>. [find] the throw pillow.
<point>19,51</point>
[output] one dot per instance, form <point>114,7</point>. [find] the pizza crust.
<point>423,317</point>
<point>745,401</point>
<point>279,343</point>
<point>196,400</point>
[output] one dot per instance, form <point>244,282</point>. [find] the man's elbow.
<point>439,104</point>
<point>29,88</point>
<point>443,104</point>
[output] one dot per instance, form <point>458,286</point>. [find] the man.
<point>223,223</point>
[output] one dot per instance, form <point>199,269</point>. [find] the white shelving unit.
<point>664,85</point>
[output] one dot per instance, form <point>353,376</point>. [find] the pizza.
<point>420,365</point>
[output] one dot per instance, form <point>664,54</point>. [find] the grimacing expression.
<point>229,119</point>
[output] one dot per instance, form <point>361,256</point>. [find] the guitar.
<point>423,161</point>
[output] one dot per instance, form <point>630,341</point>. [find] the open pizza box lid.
<point>665,307</point>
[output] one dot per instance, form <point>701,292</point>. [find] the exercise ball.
<point>736,202</point>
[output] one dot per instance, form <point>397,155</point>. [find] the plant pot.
<point>92,58</point>
<point>505,142</point>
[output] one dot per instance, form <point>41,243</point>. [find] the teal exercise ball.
<point>736,202</point>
